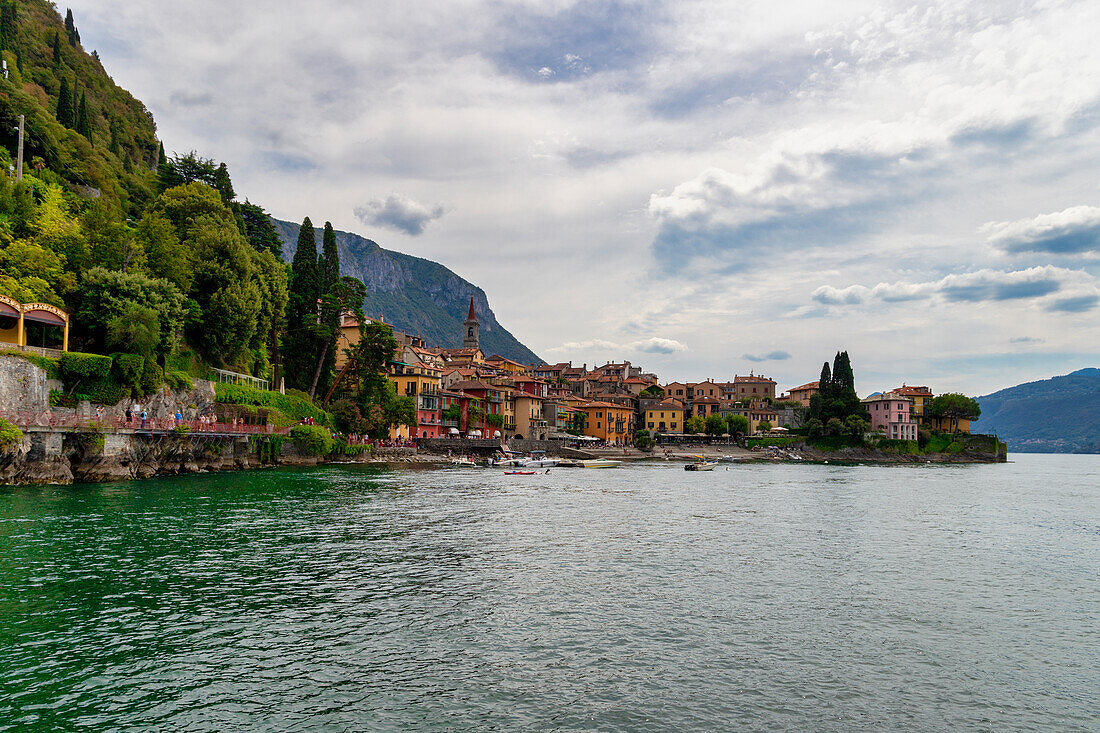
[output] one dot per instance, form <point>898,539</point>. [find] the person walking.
<point>144,418</point>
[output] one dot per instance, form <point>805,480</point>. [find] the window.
<point>651,426</point>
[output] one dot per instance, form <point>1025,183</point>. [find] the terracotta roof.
<point>635,380</point>
<point>472,384</point>
<point>458,352</point>
<point>668,405</point>
<point>757,379</point>
<point>906,390</point>
<point>598,403</point>
<point>808,385</point>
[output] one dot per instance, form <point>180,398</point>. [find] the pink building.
<point>891,414</point>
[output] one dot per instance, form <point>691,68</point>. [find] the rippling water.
<point>642,598</point>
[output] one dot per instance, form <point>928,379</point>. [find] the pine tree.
<point>83,125</point>
<point>56,49</point>
<point>300,341</point>
<point>65,104</point>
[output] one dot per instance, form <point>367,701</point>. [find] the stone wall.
<point>23,385</point>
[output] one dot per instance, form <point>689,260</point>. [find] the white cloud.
<point>1072,231</point>
<point>973,287</point>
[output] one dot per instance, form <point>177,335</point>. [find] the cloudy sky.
<point>700,187</point>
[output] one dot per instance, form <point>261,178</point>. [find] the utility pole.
<point>19,155</point>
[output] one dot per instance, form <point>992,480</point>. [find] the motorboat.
<point>701,465</point>
<point>600,463</point>
<point>519,473</point>
<point>539,459</point>
<point>466,462</point>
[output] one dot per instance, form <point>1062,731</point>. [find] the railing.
<point>40,350</point>
<point>114,424</point>
<point>238,378</point>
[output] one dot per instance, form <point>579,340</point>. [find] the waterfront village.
<point>462,392</point>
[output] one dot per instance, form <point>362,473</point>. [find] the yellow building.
<point>496,361</point>
<point>609,422</point>
<point>17,318</point>
<point>951,424</point>
<point>920,396</point>
<point>421,382</point>
<point>665,417</point>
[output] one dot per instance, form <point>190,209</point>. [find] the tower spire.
<point>471,341</point>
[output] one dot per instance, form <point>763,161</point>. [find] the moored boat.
<point>701,466</point>
<point>600,463</point>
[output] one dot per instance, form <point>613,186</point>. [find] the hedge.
<point>313,440</point>
<point>292,406</point>
<point>128,369</point>
<point>178,380</point>
<point>76,366</point>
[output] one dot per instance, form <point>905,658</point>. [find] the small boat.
<point>462,462</point>
<point>600,463</point>
<point>520,473</point>
<point>538,459</point>
<point>701,465</point>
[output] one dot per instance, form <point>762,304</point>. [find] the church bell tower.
<point>471,340</point>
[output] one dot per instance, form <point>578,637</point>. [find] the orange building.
<point>609,422</point>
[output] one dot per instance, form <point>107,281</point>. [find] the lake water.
<point>645,598</point>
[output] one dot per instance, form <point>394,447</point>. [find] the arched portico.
<point>16,319</point>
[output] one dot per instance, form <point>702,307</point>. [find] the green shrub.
<point>178,380</point>
<point>181,429</point>
<point>152,376</point>
<point>76,366</point>
<point>313,440</point>
<point>266,447</point>
<point>128,368</point>
<point>101,392</point>
<point>340,447</point>
<point>56,397</point>
<point>9,434</point>
<point>292,405</point>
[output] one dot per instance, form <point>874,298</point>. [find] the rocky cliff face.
<point>416,295</point>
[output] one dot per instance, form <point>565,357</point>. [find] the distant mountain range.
<point>1057,415</point>
<point>415,295</point>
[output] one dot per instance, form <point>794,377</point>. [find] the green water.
<point>642,599</point>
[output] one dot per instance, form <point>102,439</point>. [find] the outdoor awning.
<point>453,431</point>
<point>7,310</point>
<point>40,315</point>
<point>474,433</point>
<point>779,430</point>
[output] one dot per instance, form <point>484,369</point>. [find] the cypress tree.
<point>83,126</point>
<point>56,49</point>
<point>300,341</point>
<point>223,184</point>
<point>825,383</point>
<point>65,104</point>
<point>329,280</point>
<point>162,159</point>
<point>70,28</point>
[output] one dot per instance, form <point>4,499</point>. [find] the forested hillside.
<point>417,295</point>
<point>1057,415</point>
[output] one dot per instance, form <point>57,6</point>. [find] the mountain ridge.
<point>1056,415</point>
<point>414,294</point>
